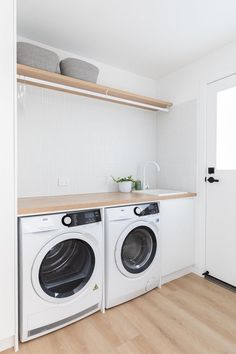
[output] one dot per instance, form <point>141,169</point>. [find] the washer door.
<point>64,267</point>
<point>136,249</point>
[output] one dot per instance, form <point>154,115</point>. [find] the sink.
<point>162,192</point>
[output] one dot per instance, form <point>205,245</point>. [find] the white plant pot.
<point>125,187</point>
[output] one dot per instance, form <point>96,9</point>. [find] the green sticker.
<point>95,287</point>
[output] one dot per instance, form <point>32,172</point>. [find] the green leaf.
<point>123,179</point>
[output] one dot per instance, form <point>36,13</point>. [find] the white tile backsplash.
<point>81,138</point>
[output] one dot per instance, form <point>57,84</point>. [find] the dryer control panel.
<point>147,210</point>
<point>81,218</point>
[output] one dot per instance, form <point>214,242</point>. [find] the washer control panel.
<point>81,218</point>
<point>151,209</point>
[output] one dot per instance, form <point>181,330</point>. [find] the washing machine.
<point>60,270</point>
<point>132,255</point>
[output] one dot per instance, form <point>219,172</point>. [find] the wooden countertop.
<point>51,204</point>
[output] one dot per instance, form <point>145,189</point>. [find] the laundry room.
<point>118,151</point>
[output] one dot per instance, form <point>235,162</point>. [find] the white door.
<point>64,267</point>
<point>221,180</point>
<point>136,249</point>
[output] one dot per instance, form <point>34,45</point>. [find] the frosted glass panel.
<point>226,130</point>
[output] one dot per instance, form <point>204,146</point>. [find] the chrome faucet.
<point>145,185</point>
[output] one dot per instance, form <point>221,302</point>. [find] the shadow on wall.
<point>177,147</point>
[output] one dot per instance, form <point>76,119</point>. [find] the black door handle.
<point>212,180</point>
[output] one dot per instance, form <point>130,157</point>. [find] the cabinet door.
<point>177,234</point>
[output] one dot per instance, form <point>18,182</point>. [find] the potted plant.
<point>124,183</point>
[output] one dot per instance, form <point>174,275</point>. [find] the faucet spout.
<point>145,185</point>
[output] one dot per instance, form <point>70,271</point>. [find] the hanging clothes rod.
<point>54,81</point>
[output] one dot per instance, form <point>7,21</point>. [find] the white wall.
<point>7,188</point>
<point>176,147</point>
<point>184,85</point>
<point>83,139</point>
<point>186,89</point>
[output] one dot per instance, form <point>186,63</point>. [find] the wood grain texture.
<point>35,73</point>
<point>51,204</point>
<point>187,316</point>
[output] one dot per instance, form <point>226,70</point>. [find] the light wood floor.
<point>187,316</point>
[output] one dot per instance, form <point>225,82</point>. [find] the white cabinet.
<point>177,234</point>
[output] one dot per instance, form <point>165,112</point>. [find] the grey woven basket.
<point>79,69</point>
<point>37,57</point>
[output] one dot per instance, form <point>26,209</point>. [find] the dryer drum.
<point>138,249</point>
<point>66,268</point>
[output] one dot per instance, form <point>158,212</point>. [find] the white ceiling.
<point>151,37</point>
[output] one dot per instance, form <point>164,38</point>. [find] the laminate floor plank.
<point>189,315</point>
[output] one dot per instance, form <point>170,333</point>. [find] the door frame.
<point>201,201</point>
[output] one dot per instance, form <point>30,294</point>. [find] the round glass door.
<point>138,249</point>
<point>66,268</point>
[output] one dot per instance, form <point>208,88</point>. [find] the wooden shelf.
<point>58,82</point>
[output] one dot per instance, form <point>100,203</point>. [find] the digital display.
<point>81,218</point>
<point>89,215</point>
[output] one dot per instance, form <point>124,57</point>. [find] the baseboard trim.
<point>180,273</point>
<point>7,343</point>
<point>198,271</point>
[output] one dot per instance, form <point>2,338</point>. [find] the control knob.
<point>66,220</point>
<point>137,211</point>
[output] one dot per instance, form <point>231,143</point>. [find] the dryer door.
<point>64,267</point>
<point>136,249</point>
